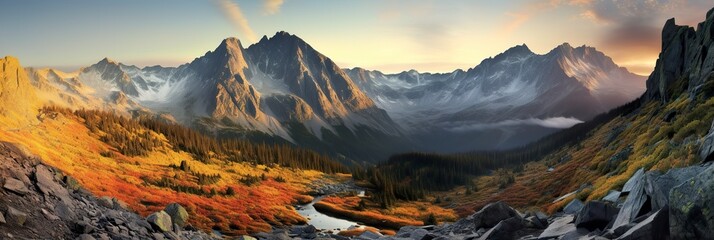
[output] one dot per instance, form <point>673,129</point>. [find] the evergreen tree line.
<point>238,150</point>
<point>133,137</point>
<point>409,175</point>
<point>128,137</point>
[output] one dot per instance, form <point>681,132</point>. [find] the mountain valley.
<point>276,141</point>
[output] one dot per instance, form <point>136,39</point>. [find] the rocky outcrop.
<point>178,214</point>
<point>691,204</point>
<point>494,213</point>
<point>687,55</point>
<point>161,221</point>
<point>39,203</point>
<point>653,227</point>
<point>18,99</point>
<point>683,213</point>
<point>595,215</point>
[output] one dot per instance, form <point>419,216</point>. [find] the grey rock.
<point>493,213</point>
<point>16,217</point>
<point>559,227</point>
<point>2,219</point>
<point>65,211</point>
<point>369,235</point>
<point>634,180</point>
<point>691,211</point>
<point>16,186</point>
<point>657,187</point>
<point>160,221</point>
<point>612,196</point>
<point>506,229</point>
<point>178,214</point>
<point>650,192</point>
<point>595,215</point>
<point>573,207</point>
<point>85,237</point>
<point>416,233</point>
<point>534,222</point>
<point>49,215</point>
<point>636,199</point>
<point>653,227</point>
<point>47,184</point>
<point>158,236</point>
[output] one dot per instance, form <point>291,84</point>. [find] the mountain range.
<point>282,90</point>
<point>495,104</point>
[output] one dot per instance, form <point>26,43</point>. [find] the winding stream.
<point>323,221</point>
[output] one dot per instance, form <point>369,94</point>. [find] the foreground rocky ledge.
<point>39,202</point>
<point>651,205</point>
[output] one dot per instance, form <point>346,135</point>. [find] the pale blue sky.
<point>388,35</point>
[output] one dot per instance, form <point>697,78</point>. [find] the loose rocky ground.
<point>651,205</point>
<point>39,202</point>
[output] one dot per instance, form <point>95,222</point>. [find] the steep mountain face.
<point>517,92</point>
<point>18,100</point>
<point>279,87</point>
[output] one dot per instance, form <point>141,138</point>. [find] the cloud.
<point>271,7</point>
<point>535,8</point>
<point>632,28</point>
<point>555,122</point>
<point>234,14</point>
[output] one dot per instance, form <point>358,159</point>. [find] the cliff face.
<point>687,55</point>
<point>17,96</point>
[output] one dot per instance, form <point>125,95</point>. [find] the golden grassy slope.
<point>64,142</point>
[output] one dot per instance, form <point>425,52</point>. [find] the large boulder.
<point>634,180</point>
<point>492,214</point>
<point>178,214</point>
<point>48,186</point>
<point>506,229</point>
<point>595,215</point>
<point>653,227</point>
<point>657,187</point>
<point>573,207</point>
<point>16,186</point>
<point>160,221</point>
<point>650,192</point>
<point>636,200</point>
<point>691,213</point>
<point>559,227</point>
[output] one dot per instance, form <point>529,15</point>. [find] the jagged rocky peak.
<point>227,60</point>
<point>110,71</point>
<point>309,75</point>
<point>686,55</point>
<point>519,50</point>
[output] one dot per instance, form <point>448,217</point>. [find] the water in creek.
<point>322,221</point>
